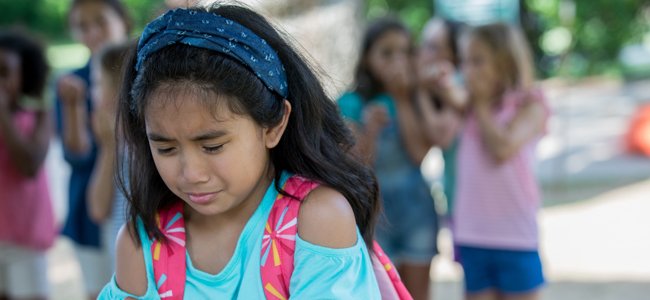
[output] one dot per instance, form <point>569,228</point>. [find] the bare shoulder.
<point>327,219</point>
<point>130,269</point>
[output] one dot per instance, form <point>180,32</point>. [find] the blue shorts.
<point>506,271</point>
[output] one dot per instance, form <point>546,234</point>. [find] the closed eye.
<point>164,151</point>
<point>213,149</point>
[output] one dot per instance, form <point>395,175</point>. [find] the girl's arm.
<point>414,135</point>
<point>101,190</point>
<point>130,270</point>
<point>375,117</point>
<point>503,142</point>
<point>439,126</point>
<point>29,152</point>
<point>72,91</point>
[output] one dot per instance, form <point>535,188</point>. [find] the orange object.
<point>638,136</point>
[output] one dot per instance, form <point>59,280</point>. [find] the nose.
<point>96,36</point>
<point>194,169</point>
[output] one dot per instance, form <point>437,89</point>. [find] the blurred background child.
<point>392,138</point>
<point>27,226</point>
<point>439,72</point>
<point>107,203</point>
<point>94,23</point>
<point>497,196</point>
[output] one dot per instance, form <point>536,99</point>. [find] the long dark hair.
<point>365,83</point>
<point>454,29</point>
<point>316,143</point>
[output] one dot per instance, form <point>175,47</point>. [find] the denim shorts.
<point>506,271</point>
<point>408,228</point>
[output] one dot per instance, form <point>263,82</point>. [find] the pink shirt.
<point>26,217</point>
<point>496,205</point>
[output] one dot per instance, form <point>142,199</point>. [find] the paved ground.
<point>595,224</point>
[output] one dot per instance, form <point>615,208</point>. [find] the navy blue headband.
<point>210,31</point>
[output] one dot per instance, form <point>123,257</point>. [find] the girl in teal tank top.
<point>217,110</point>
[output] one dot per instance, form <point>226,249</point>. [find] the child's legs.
<point>413,232</point>
<point>535,295</point>
<point>416,279</point>
<point>95,269</point>
<point>411,250</point>
<point>416,248</point>
<point>3,276</point>
<point>484,295</point>
<point>23,273</point>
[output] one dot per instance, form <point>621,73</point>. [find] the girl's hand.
<point>375,118</point>
<point>103,125</point>
<point>438,78</point>
<point>439,81</point>
<point>72,90</point>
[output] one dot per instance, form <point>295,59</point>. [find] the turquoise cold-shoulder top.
<point>319,273</point>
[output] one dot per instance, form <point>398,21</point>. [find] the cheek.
<point>489,72</point>
<point>167,168</point>
<point>376,65</point>
<point>115,28</point>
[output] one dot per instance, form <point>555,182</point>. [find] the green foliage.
<point>599,30</point>
<point>414,13</point>
<point>48,18</point>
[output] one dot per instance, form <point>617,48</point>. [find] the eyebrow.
<point>201,137</point>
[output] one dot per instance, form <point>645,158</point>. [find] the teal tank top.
<point>320,272</point>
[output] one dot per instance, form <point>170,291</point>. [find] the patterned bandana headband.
<point>210,31</point>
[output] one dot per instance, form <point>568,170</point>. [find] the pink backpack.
<point>278,246</point>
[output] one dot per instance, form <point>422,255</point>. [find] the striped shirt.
<point>496,204</point>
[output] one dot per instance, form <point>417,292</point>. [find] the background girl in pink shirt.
<point>27,227</point>
<point>497,194</point>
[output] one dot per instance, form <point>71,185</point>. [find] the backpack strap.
<point>169,257</point>
<point>278,247</point>
<point>279,241</point>
<point>390,284</point>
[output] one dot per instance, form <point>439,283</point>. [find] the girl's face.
<point>435,46</point>
<point>96,24</point>
<point>389,59</point>
<point>211,158</point>
<point>479,69</point>
<point>10,75</point>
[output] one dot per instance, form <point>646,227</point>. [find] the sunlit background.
<point>593,61</point>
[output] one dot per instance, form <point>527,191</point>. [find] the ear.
<point>272,135</point>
